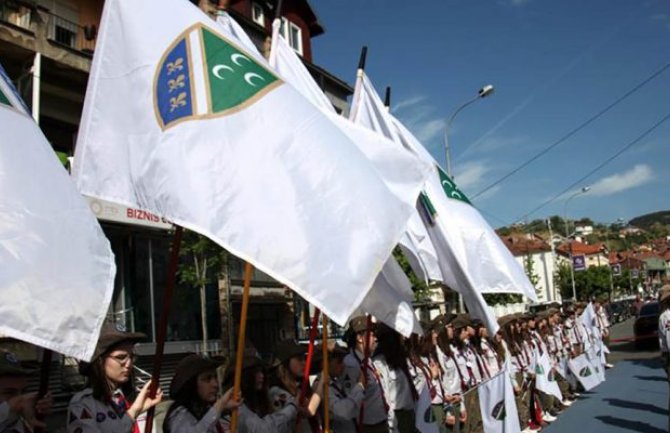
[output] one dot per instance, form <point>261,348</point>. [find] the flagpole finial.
<point>278,11</point>
<point>387,97</point>
<point>364,54</point>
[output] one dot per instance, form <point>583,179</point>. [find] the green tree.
<point>592,282</point>
<point>420,288</point>
<point>202,263</point>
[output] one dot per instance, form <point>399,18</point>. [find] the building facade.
<point>46,47</point>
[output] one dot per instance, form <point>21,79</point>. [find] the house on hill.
<point>532,249</point>
<point>594,255</point>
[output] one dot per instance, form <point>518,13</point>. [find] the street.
<point>634,398</point>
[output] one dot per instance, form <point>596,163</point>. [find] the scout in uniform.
<point>255,414</point>
<point>104,407</point>
<point>197,407</point>
<point>286,382</point>
<point>18,409</point>
<point>344,399</point>
<point>664,332</point>
<point>391,364</point>
<point>374,408</point>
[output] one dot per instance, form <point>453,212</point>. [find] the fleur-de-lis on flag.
<point>177,65</point>
<point>178,101</point>
<point>176,83</point>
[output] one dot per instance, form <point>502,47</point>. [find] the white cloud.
<point>407,103</point>
<point>422,120</point>
<point>470,176</point>
<point>637,176</point>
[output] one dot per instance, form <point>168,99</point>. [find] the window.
<point>292,33</point>
<point>257,14</point>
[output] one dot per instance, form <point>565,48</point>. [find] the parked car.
<point>616,312</point>
<point>646,325</point>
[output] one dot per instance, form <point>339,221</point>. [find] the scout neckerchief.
<point>121,406</point>
<point>375,374</point>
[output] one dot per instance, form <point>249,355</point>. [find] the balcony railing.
<point>25,15</point>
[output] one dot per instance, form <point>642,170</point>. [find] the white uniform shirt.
<point>344,404</point>
<point>88,415</point>
<point>281,398</point>
<point>374,400</point>
<point>490,358</point>
<point>664,331</point>
<point>397,389</point>
<point>281,421</point>
<point>183,421</point>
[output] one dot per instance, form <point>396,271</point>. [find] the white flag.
<point>425,419</point>
<point>588,318</point>
<point>182,121</point>
<point>368,110</point>
<point>472,258</point>
<point>57,268</point>
<point>582,369</point>
<point>545,379</point>
<point>497,405</point>
<point>390,299</point>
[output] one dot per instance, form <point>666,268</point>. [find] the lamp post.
<point>584,190</point>
<point>607,244</point>
<point>482,93</point>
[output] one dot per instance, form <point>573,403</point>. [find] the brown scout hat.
<point>111,335</point>
<point>286,350</point>
<point>190,367</point>
<point>359,324</point>
<point>11,366</point>
<point>249,361</point>
<point>461,321</point>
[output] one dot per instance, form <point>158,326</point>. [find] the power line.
<point>601,165</point>
<point>575,130</point>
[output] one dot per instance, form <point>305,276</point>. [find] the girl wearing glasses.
<point>105,405</point>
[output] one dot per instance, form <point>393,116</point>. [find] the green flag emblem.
<point>3,99</point>
<point>202,65</point>
<point>450,188</point>
<point>234,78</point>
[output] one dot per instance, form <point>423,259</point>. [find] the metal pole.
<point>37,80</point>
<point>447,151</point>
<point>567,238</point>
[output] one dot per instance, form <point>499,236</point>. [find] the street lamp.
<point>584,190</point>
<point>482,93</point>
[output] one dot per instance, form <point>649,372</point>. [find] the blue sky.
<point>553,63</point>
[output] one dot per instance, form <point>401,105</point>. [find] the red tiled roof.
<point>581,248</point>
<point>519,244</point>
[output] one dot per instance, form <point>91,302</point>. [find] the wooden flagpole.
<point>45,371</point>
<point>364,367</point>
<point>325,375</point>
<point>308,364</point>
<point>242,334</point>
<point>162,324</point>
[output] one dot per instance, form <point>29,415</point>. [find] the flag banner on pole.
<point>588,317</point>
<point>182,121</point>
<point>582,369</point>
<point>472,258</point>
<point>497,405</point>
<point>391,296</point>
<point>390,300</point>
<point>594,354</point>
<point>369,111</point>
<point>545,379</point>
<point>58,269</point>
<point>425,419</point>
<point>562,367</point>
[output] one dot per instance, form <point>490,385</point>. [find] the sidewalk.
<point>634,398</point>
